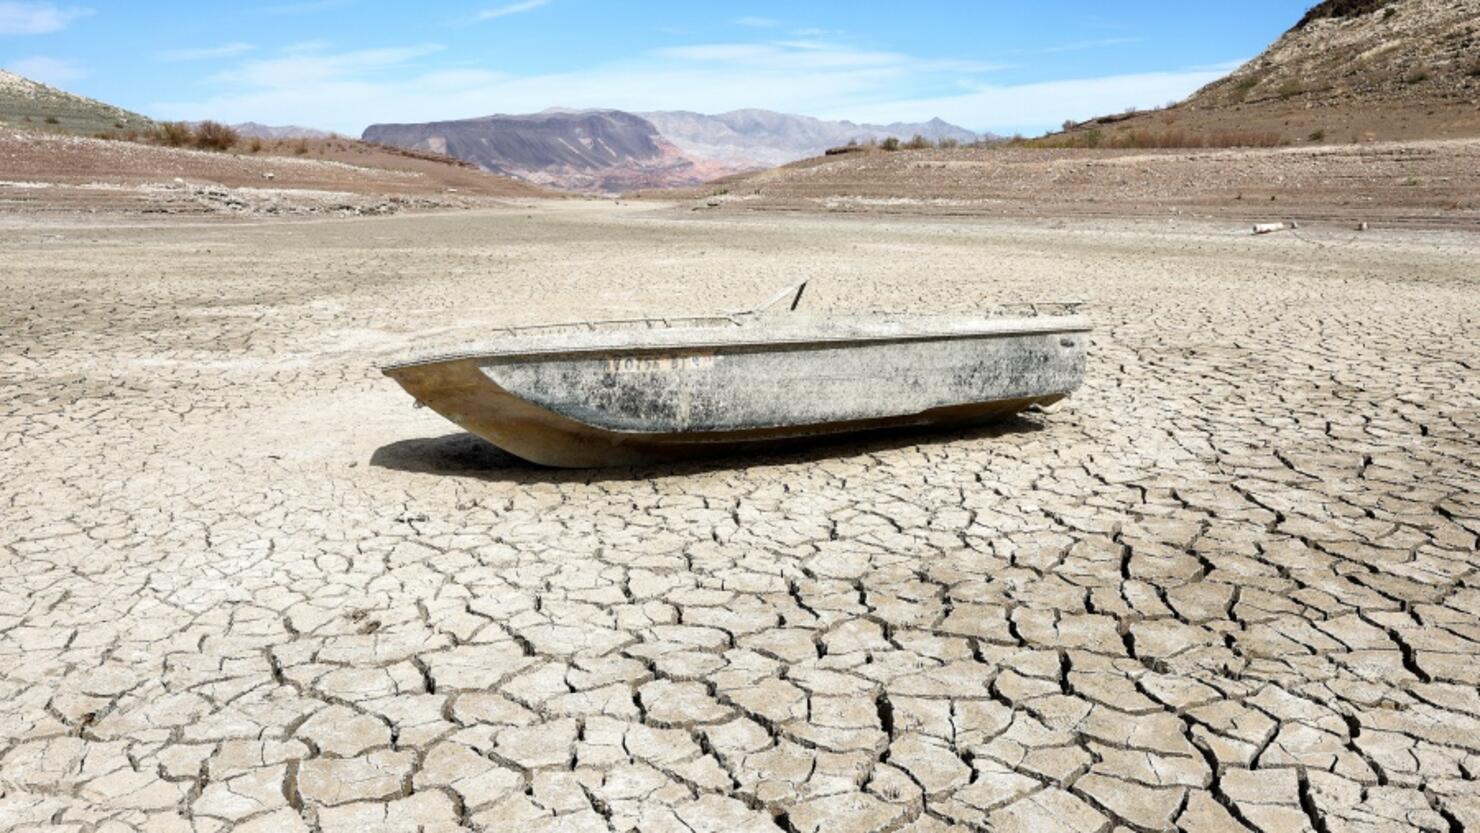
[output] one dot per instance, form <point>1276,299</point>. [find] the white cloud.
<point>1046,103</point>
<point>204,53</point>
<point>345,91</point>
<point>512,8</point>
<point>23,18</point>
<point>305,67</point>
<point>1080,46</point>
<point>52,71</point>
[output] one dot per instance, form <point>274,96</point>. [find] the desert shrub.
<point>213,135</point>
<point>917,142</point>
<point>948,143</point>
<point>255,146</point>
<point>1290,88</point>
<point>1152,139</point>
<point>1068,125</point>
<point>1318,135</point>
<point>53,120</point>
<point>175,134</point>
<point>1417,76</point>
<point>891,143</point>
<point>300,147</point>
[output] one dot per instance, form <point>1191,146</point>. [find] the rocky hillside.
<point>1349,70</point>
<point>762,138</point>
<point>578,150</point>
<point>32,105</point>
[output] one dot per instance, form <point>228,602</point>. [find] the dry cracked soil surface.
<point>1230,584</point>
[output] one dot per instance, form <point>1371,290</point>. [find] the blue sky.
<point>343,64</point>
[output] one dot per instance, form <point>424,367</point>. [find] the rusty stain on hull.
<point>618,397</point>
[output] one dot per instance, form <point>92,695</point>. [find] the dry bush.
<point>213,135</point>
<point>1171,138</point>
<point>255,146</point>
<point>300,147</point>
<point>1291,88</point>
<point>891,143</point>
<point>917,142</point>
<point>175,134</point>
<point>1244,85</point>
<point>948,143</point>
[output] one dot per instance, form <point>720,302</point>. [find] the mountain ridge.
<point>577,150</point>
<point>766,138</point>
<point>612,150</point>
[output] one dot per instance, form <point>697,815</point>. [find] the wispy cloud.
<point>53,71</point>
<point>204,53</point>
<point>346,90</point>
<point>756,22</point>
<point>23,18</point>
<point>1041,104</point>
<point>1080,46</point>
<point>304,68</point>
<point>512,8</point>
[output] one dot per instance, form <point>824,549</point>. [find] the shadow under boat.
<point>463,454</point>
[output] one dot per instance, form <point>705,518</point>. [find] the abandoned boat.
<point>624,392</point>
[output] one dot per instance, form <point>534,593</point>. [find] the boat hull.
<point>627,404</point>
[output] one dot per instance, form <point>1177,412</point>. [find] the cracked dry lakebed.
<point>1229,585</point>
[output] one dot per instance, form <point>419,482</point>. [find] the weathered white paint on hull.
<point>617,397</point>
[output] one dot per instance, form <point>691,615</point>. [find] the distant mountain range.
<point>764,138</point>
<point>613,150</point>
<point>254,130</point>
<point>584,150</point>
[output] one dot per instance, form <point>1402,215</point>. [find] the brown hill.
<point>1349,70</point>
<point>49,172</point>
<point>133,164</point>
<point>32,105</point>
<point>1428,183</point>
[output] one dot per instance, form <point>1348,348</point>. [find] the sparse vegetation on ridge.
<point>1151,139</point>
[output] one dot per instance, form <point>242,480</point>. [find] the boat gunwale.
<point>790,336</point>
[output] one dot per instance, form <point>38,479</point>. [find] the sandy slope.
<point>51,173</point>
<point>1435,183</point>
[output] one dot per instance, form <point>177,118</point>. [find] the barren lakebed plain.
<point>1231,581</point>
